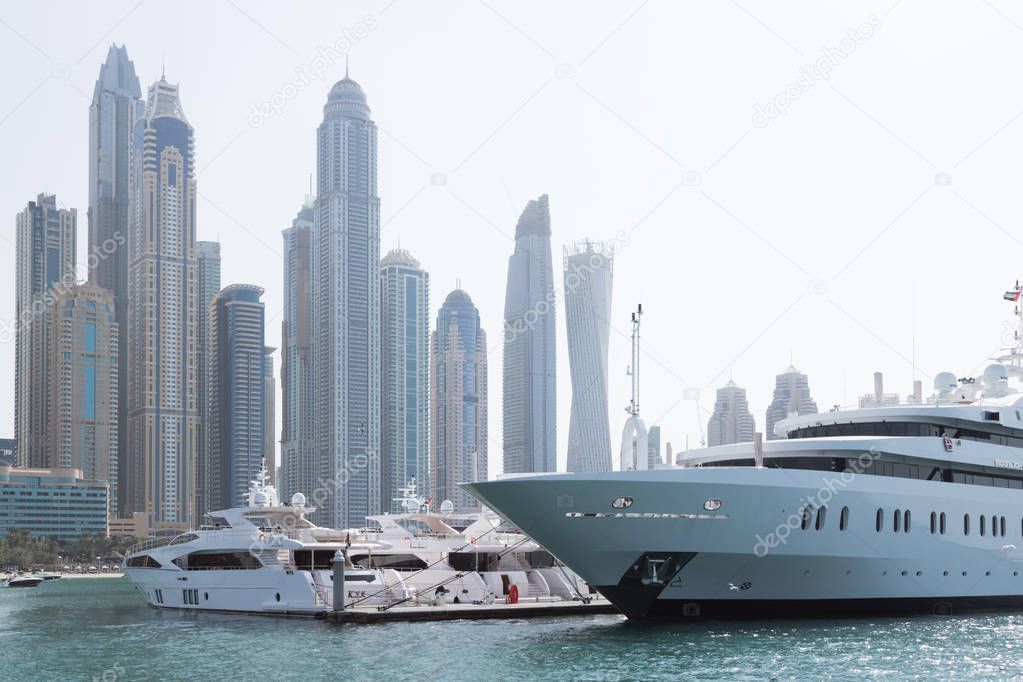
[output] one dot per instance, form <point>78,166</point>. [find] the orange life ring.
<point>513,594</point>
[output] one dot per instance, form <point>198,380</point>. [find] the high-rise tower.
<point>116,107</point>
<point>791,397</point>
<point>458,403</point>
<point>299,471</point>
<point>207,259</point>
<point>237,383</point>
<point>731,421</point>
<point>83,351</point>
<point>404,409</point>
<point>588,277</point>
<point>163,311</point>
<point>346,300</point>
<point>45,268</point>
<point>529,390</point>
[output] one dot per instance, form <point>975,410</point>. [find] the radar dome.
<point>945,382</point>
<point>259,499</point>
<point>447,506</point>
<point>994,374</point>
<point>298,500</point>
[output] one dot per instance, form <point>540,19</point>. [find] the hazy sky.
<point>823,228</point>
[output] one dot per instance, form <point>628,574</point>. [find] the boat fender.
<point>513,594</point>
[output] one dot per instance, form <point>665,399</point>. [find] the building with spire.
<point>116,107</point>
<point>163,317</point>
<point>731,422</point>
<point>83,359</point>
<point>237,398</point>
<point>588,277</point>
<point>346,301</point>
<point>404,384</point>
<point>44,268</point>
<point>791,397</point>
<point>458,402</point>
<point>299,466</point>
<point>529,389</point>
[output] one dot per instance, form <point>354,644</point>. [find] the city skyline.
<point>832,302</point>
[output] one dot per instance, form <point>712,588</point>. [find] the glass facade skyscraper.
<point>791,397</point>
<point>731,421</point>
<point>346,301</point>
<point>237,383</point>
<point>529,388</point>
<point>458,403</point>
<point>588,278</point>
<point>116,107</point>
<point>207,258</point>
<point>404,409</point>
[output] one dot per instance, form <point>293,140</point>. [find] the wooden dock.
<point>364,615</point>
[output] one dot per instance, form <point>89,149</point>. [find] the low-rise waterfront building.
<point>54,503</point>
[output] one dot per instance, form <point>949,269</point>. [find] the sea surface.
<point>100,629</point>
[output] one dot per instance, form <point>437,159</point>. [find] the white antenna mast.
<point>633,408</point>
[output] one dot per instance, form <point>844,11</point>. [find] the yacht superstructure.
<point>905,508</point>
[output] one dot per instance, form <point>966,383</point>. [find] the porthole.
<point>934,522</point>
<point>906,521</point>
<point>277,596</point>
<point>843,519</point>
<point>964,574</point>
<point>896,520</point>
<point>206,596</point>
<point>821,514</point>
<point>880,520</point>
<point>905,573</point>
<point>941,523</point>
<point>966,526</point>
<point>1001,524</point>
<point>983,527</point>
<point>945,573</point>
<point>919,573</point>
<point>987,572</point>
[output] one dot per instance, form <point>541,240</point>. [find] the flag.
<point>1011,295</point>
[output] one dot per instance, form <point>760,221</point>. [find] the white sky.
<point>650,133</point>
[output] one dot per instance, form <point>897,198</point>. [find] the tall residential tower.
<point>404,409</point>
<point>163,317</point>
<point>588,276</point>
<point>45,268</point>
<point>791,397</point>
<point>731,421</point>
<point>529,390</point>
<point>346,300</point>
<point>458,402</point>
<point>116,107</point>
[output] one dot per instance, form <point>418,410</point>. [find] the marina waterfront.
<point>102,630</point>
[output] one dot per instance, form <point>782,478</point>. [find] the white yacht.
<point>901,508</point>
<point>463,558</point>
<point>263,558</point>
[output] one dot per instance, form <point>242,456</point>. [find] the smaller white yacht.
<point>262,558</point>
<point>469,558</point>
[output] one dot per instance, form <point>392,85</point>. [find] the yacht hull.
<point>656,544</point>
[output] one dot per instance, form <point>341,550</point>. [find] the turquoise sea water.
<point>99,629</point>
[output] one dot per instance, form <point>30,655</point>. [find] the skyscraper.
<point>346,297</point>
<point>529,407</point>
<point>270,414</point>
<point>299,470</point>
<point>731,421</point>
<point>237,382</point>
<point>588,276</point>
<point>207,258</point>
<point>791,397</point>
<point>163,312</point>
<point>83,359</point>
<point>653,447</point>
<point>404,385</point>
<point>116,107</point>
<point>458,402</point>
<point>45,267</point>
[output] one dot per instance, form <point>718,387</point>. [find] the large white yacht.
<point>901,508</point>
<point>262,558</point>
<point>464,557</point>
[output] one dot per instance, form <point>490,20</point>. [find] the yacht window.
<point>941,523</point>
<point>143,561</point>
<point>934,523</point>
<point>1001,526</point>
<point>966,524</point>
<point>217,560</point>
<point>400,562</point>
<point>992,416</point>
<point>843,519</point>
<point>880,520</point>
<point>982,526</point>
<point>807,511</point>
<point>896,520</point>
<point>905,521</point>
<point>820,518</point>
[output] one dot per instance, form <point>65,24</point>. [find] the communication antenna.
<point>633,371</point>
<point>634,452</point>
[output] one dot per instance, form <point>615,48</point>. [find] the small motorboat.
<point>22,581</point>
<point>46,575</point>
